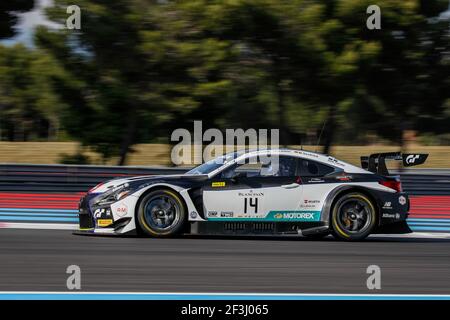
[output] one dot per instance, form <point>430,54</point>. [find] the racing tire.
<point>353,217</point>
<point>161,213</point>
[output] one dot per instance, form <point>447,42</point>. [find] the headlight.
<point>122,194</point>
<point>113,195</point>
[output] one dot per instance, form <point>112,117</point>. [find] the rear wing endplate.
<point>377,162</point>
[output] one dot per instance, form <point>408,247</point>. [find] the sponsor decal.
<point>227,214</point>
<point>412,158</point>
<point>295,216</point>
<point>306,215</point>
<point>251,194</point>
<point>218,184</point>
<point>402,200</point>
<point>387,205</point>
<point>311,201</point>
<point>122,210</point>
<point>104,222</point>
<point>335,161</point>
<point>306,153</point>
<point>391,215</point>
<point>316,180</point>
<point>276,216</point>
<point>344,177</point>
<point>98,213</point>
<point>102,212</point>
<point>212,213</point>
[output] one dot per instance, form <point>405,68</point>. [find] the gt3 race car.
<point>277,192</point>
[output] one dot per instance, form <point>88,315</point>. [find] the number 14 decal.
<point>250,202</point>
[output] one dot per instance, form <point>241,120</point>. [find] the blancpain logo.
<point>251,194</point>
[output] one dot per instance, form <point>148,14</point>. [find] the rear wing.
<point>377,162</point>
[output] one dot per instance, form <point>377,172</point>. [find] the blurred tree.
<point>138,69</point>
<point>372,79</point>
<point>411,74</point>
<point>383,81</point>
<point>28,103</point>
<point>132,70</point>
<point>270,71</point>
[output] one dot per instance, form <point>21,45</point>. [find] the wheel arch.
<point>338,192</point>
<point>151,189</point>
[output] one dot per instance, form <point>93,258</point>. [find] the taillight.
<point>392,184</point>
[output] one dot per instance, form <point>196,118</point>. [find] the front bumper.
<point>85,216</point>
<point>112,218</point>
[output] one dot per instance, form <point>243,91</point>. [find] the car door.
<point>254,191</point>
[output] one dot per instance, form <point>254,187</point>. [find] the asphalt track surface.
<point>36,260</point>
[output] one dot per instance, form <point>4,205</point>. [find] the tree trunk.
<point>129,136</point>
<point>404,126</point>
<point>281,114</point>
<point>329,130</point>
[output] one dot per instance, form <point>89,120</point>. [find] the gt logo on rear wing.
<point>377,162</point>
<point>414,159</point>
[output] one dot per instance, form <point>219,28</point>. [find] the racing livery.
<point>276,192</point>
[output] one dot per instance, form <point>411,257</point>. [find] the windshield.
<point>213,164</point>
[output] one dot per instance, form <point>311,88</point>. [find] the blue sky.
<point>28,21</point>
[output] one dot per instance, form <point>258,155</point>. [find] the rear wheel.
<point>161,213</point>
<point>353,217</point>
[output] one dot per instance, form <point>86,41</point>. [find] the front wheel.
<point>353,217</point>
<point>161,213</point>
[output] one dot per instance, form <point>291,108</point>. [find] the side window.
<point>309,168</point>
<point>277,167</point>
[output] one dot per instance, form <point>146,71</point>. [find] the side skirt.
<point>258,228</point>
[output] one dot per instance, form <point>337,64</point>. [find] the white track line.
<point>422,235</point>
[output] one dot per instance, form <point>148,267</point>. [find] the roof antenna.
<point>320,135</point>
